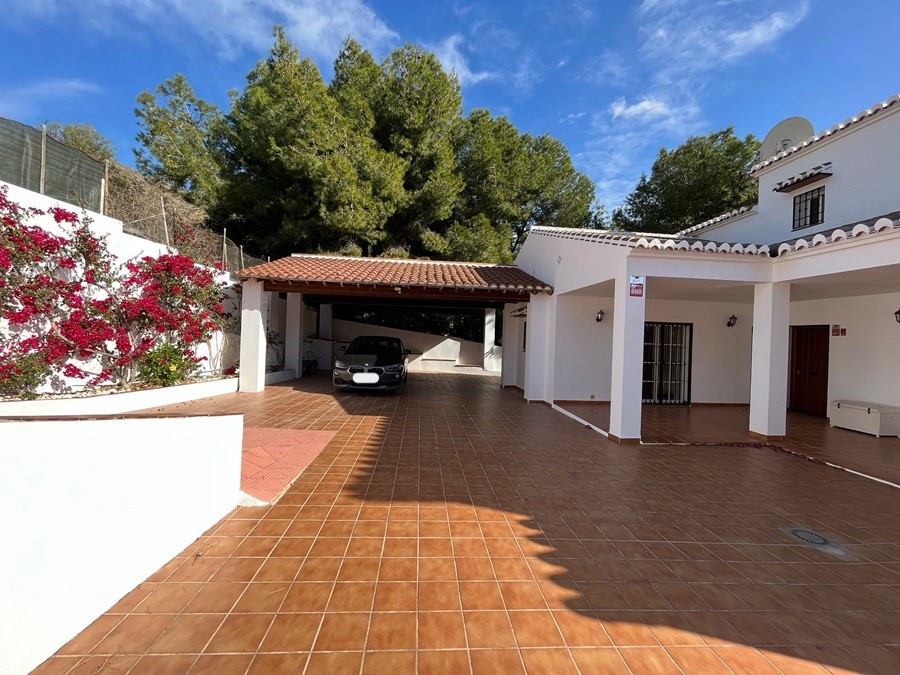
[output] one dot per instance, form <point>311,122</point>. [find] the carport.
<point>324,281</point>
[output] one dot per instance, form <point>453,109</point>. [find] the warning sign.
<point>636,287</point>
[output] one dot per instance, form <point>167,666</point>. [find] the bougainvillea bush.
<point>69,309</point>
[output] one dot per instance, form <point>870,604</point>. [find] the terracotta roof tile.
<point>395,272</point>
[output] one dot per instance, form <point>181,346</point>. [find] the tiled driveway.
<point>458,528</point>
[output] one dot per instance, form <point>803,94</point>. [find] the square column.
<point>627,363</point>
<point>252,377</point>
<point>512,339</point>
<point>540,348</point>
<point>769,363</point>
<point>293,333</point>
<point>490,360</point>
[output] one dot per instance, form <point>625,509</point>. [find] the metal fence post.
<point>105,187</point>
<point>162,201</point>
<point>43,157</point>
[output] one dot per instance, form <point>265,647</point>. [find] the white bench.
<point>870,418</point>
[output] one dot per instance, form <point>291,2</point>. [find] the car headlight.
<point>394,368</point>
<point>340,365</point>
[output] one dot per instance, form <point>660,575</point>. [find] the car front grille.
<point>372,369</point>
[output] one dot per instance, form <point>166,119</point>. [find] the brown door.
<point>808,392</point>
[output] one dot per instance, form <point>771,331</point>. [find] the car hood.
<point>370,359</point>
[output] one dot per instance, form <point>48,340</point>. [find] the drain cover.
<point>816,540</point>
<point>810,537</point>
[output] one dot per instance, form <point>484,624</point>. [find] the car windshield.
<point>381,346</point>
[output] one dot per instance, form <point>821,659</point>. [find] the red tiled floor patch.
<point>273,458</point>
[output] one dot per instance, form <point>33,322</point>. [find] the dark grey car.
<point>371,363</point>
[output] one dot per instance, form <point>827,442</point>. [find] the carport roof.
<point>329,272</point>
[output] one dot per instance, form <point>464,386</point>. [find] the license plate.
<point>365,378</point>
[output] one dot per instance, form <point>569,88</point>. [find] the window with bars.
<point>809,208</point>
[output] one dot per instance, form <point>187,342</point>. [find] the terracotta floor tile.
<point>441,630</point>
<point>499,661</point>
<point>234,569</point>
<point>628,630</point>
<point>581,629</point>
<point>168,598</point>
<point>83,642</point>
<point>395,597</point>
<point>599,660</point>
<point>398,569</point>
<point>278,664</point>
<point>548,662</point>
<point>291,633</point>
<point>535,629</point>
<point>153,664</point>
<point>698,660</point>
<point>437,569</point>
<point>240,633</point>
<point>352,597</point>
<point>222,664</point>
<point>262,596</point>
<point>334,662</point>
<point>394,630</point>
<point>91,665</point>
<point>439,595</point>
<point>444,662</point>
<point>522,595</point>
<point>343,632</point>
<point>489,629</point>
<point>57,665</point>
<point>307,596</point>
<point>187,634</point>
<point>134,634</point>
<point>389,663</point>
<point>481,595</point>
<point>745,660</point>
<point>215,597</point>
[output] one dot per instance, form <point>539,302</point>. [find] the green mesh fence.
<point>69,175</point>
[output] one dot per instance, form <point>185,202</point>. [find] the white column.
<point>293,333</point>
<point>490,360</point>
<point>540,348</point>
<point>627,362</point>
<point>769,363</point>
<point>325,319</point>
<point>512,341</point>
<point>253,338</point>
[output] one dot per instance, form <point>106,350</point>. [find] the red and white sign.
<point>636,287</point>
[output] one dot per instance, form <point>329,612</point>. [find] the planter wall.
<point>114,404</point>
<point>280,376</point>
<point>94,507</point>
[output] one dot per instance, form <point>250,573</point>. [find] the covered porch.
<point>807,435</point>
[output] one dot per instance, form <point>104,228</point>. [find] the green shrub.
<point>23,375</point>
<point>166,365</point>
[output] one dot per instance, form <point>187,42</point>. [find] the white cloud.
<point>646,109</point>
<point>230,26</point>
<point>571,118</point>
<point>452,58</point>
<point>763,32</point>
<point>27,99</point>
<point>526,75</point>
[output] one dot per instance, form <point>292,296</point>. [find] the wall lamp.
<point>733,320</point>
<point>897,315</point>
<point>601,314</point>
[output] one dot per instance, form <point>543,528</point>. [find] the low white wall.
<point>862,365</point>
<point>114,404</point>
<point>94,507</point>
<point>430,352</point>
<point>720,370</point>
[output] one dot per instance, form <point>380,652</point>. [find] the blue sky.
<point>613,80</point>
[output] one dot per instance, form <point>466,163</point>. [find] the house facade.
<point>789,304</point>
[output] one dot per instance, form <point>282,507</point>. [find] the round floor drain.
<point>810,537</point>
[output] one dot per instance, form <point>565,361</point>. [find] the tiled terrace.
<point>807,435</point>
<point>458,529</point>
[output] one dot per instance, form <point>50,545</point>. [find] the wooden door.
<point>808,389</point>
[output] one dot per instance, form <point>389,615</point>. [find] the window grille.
<point>667,363</point>
<point>809,208</point>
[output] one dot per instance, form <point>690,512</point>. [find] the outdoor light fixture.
<point>896,315</point>
<point>733,320</point>
<point>601,314</point>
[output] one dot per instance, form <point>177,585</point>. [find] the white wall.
<point>94,507</point>
<point>864,365</point>
<point>864,184</point>
<point>430,352</point>
<point>720,371</point>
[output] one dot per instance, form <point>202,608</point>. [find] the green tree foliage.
<point>702,178</point>
<point>177,138</point>
<point>381,161</point>
<point>298,176</point>
<point>83,137</point>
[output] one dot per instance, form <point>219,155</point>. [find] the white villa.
<point>790,304</point>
